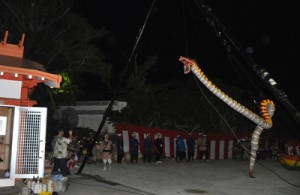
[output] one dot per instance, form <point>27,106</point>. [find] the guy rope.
<point>267,108</point>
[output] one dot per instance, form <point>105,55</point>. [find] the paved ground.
<point>217,177</point>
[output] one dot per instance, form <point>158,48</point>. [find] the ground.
<point>212,178</point>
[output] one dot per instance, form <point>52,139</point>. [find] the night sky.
<point>266,30</point>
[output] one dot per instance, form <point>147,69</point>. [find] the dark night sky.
<point>268,28</point>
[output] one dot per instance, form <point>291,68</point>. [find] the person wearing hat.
<point>134,146</point>
<point>147,148</point>
<point>120,148</point>
<point>60,152</point>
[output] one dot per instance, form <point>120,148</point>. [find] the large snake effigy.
<point>267,108</point>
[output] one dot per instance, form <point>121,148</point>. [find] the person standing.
<point>158,144</point>
<point>134,148</point>
<point>191,143</point>
<point>89,142</point>
<point>84,144</point>
<point>177,149</point>
<point>120,148</point>
<point>60,152</point>
<point>147,148</point>
<point>274,151</point>
<point>202,147</point>
<point>239,150</point>
<point>107,152</point>
<point>290,148</point>
<point>181,148</point>
<point>73,147</point>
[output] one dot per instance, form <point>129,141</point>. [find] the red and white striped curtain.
<point>220,145</point>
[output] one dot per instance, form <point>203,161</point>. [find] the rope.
<point>184,28</point>
<point>108,109</point>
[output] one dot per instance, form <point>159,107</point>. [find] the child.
<point>71,162</point>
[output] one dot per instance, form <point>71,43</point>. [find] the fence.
<point>220,145</point>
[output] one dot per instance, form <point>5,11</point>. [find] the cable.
<point>139,192</point>
<point>297,186</point>
<point>215,109</point>
<point>233,133</point>
<point>108,109</point>
<point>184,28</point>
<point>228,40</point>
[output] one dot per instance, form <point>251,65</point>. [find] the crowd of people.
<point>153,149</point>
<point>268,148</point>
<point>69,151</point>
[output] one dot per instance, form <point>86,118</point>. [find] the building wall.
<point>90,113</point>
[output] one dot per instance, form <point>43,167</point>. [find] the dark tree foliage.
<point>61,40</point>
<point>186,106</point>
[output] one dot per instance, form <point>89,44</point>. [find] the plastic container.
<point>50,185</point>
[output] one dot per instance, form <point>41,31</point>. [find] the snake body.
<point>267,108</point>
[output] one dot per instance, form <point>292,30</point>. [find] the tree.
<point>174,105</point>
<point>138,92</point>
<point>55,36</point>
<point>64,42</point>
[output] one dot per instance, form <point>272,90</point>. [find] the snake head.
<point>187,64</point>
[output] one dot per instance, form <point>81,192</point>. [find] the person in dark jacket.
<point>177,149</point>
<point>158,144</point>
<point>120,149</point>
<point>191,144</point>
<point>181,148</point>
<point>147,148</point>
<point>134,148</point>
